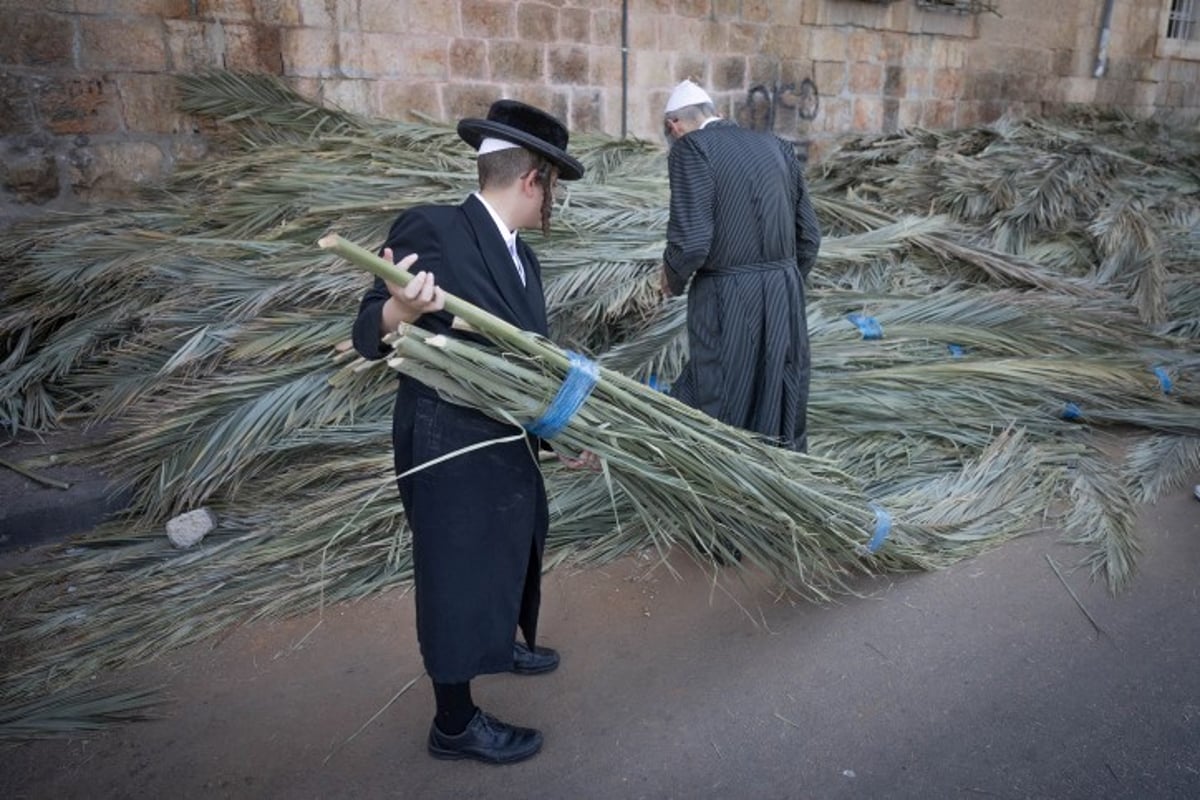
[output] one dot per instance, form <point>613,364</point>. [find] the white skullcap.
<point>686,94</point>
<point>490,144</point>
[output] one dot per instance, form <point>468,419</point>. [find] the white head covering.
<point>491,144</point>
<point>686,94</point>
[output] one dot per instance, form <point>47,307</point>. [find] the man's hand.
<point>585,460</point>
<point>407,303</point>
<point>663,284</point>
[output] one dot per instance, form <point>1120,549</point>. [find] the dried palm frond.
<point>72,713</point>
<point>1159,463</point>
<point>199,321</point>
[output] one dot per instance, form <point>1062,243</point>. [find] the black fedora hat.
<point>527,126</point>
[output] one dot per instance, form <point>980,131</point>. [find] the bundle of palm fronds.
<point>200,321</point>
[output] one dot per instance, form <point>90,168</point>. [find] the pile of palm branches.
<point>1035,283</point>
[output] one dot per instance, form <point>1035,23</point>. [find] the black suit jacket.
<point>463,249</point>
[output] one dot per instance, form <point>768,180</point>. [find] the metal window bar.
<point>1181,22</point>
<point>961,6</point>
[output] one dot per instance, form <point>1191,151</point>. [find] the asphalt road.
<point>986,680</point>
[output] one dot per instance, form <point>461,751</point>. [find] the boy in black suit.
<point>478,519</point>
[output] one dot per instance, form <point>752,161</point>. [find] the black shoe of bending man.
<point>537,661</point>
<point>486,739</point>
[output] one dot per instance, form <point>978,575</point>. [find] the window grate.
<point>960,6</point>
<point>1181,22</point>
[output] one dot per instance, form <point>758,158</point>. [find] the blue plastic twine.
<point>956,350</point>
<point>883,528</point>
<point>868,325</point>
<point>1071,411</point>
<point>1164,379</point>
<point>576,387</point>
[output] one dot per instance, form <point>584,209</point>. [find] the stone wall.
<point>85,85</point>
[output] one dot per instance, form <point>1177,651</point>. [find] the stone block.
<point>644,34</point>
<point>436,17</point>
<point>188,149</point>
<point>605,67</point>
<point>587,111</point>
<point>277,12</point>
<point>376,55</point>
<point>866,46</point>
<point>354,95</point>
<point>148,104</point>
<point>759,10</point>
<point>729,72</point>
<point>16,105</point>
<point>829,44</point>
<point>606,28</point>
<point>764,70</point>
<point>167,9</point>
<point>309,52</point>
<point>1075,90</point>
<point>575,25</point>
<point>830,77</point>
<point>948,84</point>
<point>424,58</point>
<point>224,10</point>
<point>727,10</point>
<point>917,83</point>
<point>692,8</point>
<point>488,19</point>
<point>42,6</point>
<point>520,62</point>
<point>868,114</point>
<point>938,114</point>
<point>891,115</point>
<point>909,115</point>
<point>537,22</point>
<point>1062,62</point>
<point>30,175</point>
<point>649,69</point>
<point>132,44</point>
<point>316,14</point>
<point>894,79</point>
<point>388,16</point>
<point>404,99</point>
<point>37,40</point>
<point>866,79</point>
<point>253,48</point>
<point>193,45</point>
<point>788,41</point>
<point>468,59</point>
<point>794,71</point>
<point>692,67</point>
<point>895,46</point>
<point>112,170</point>
<point>744,38</point>
<point>638,9</point>
<point>836,115</point>
<point>80,105</point>
<point>567,64</point>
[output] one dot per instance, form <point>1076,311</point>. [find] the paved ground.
<point>986,680</point>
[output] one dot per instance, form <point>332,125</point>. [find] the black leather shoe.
<point>533,662</point>
<point>486,739</point>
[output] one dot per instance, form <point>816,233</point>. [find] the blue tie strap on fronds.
<point>870,327</point>
<point>581,379</point>
<point>1071,412</point>
<point>1164,379</point>
<point>883,529</point>
<point>956,350</point>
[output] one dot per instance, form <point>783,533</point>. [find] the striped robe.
<point>743,230</point>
